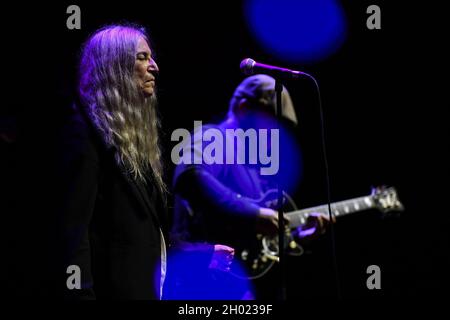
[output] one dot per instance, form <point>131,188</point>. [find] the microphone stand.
<point>281,224</point>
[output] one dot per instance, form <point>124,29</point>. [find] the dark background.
<point>384,125</point>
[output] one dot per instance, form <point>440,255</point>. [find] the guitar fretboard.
<point>341,208</point>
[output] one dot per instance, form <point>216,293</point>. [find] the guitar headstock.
<point>386,199</point>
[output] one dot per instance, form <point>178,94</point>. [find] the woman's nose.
<point>152,67</point>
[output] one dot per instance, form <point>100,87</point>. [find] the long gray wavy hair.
<point>117,106</point>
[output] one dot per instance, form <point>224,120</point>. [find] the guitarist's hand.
<point>267,222</point>
<point>222,257</point>
<point>316,225</point>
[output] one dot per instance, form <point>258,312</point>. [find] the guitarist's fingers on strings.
<point>316,225</point>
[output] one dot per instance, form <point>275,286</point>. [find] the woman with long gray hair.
<point>111,216</point>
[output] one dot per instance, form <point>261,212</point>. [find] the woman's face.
<point>145,68</point>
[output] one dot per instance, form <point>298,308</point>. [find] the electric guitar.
<point>256,260</point>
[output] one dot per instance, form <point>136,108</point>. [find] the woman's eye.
<point>141,57</point>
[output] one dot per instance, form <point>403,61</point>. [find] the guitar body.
<point>259,255</point>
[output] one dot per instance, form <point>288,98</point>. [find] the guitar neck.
<point>339,209</point>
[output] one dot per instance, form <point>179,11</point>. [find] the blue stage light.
<point>297,31</point>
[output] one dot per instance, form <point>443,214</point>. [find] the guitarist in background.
<point>214,202</point>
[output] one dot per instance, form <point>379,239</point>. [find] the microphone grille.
<point>247,66</point>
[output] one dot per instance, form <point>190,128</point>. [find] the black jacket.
<point>108,223</point>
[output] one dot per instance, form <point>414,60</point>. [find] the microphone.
<point>250,66</point>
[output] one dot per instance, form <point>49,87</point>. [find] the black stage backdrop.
<point>383,119</point>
